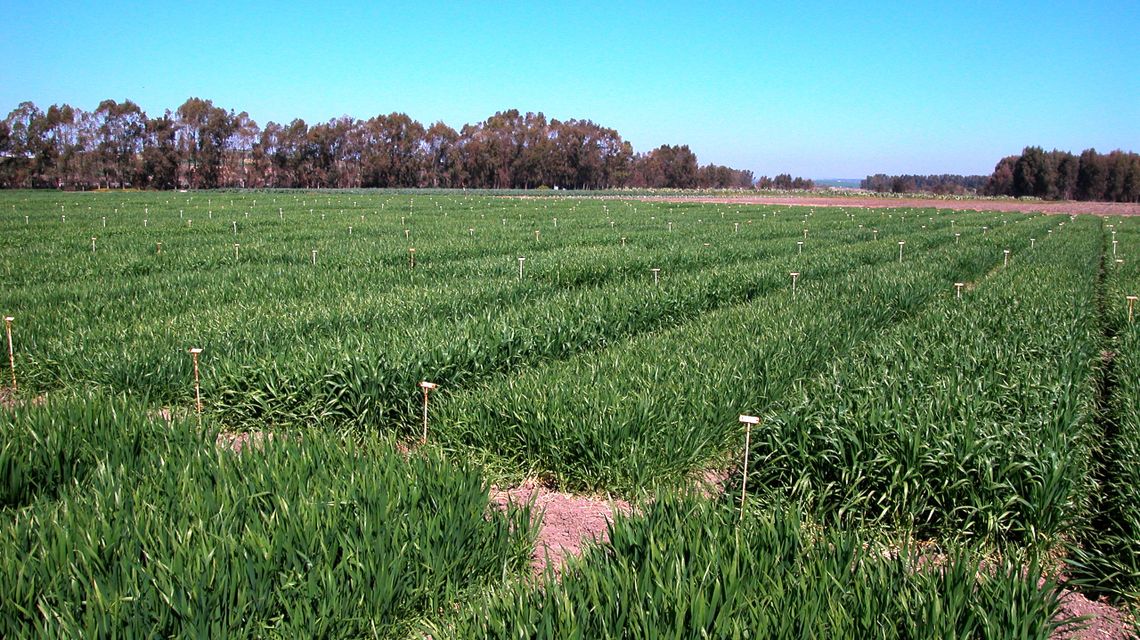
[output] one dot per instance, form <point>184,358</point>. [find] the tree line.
<point>945,184</point>
<point>1060,175</point>
<point>1050,175</point>
<point>202,146</point>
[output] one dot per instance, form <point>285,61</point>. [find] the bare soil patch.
<point>567,523</point>
<point>237,441</point>
<point>9,400</point>
<point>1106,622</point>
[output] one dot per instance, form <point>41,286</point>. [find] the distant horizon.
<point>815,89</point>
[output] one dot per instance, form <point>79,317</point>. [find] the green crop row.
<point>116,523</point>
<point>666,402</point>
<point>1105,558</point>
<point>692,570</point>
<point>973,418</point>
<point>347,341</point>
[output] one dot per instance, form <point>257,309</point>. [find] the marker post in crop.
<point>427,388</point>
<point>655,271</point>
<point>11,351</point>
<point>1131,306</point>
<point>1005,262</point>
<point>521,261</point>
<point>197,385</point>
<point>799,247</point>
<point>1032,242</point>
<point>92,244</point>
<point>236,245</point>
<point>747,421</point>
<point>958,288</point>
<point>1114,248</point>
<point>901,243</point>
<point>411,257</point>
<point>795,276</point>
<point>875,234</point>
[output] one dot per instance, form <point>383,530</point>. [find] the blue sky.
<point>839,89</point>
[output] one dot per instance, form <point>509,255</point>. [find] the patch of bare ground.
<point>1105,621</point>
<point>9,400</point>
<point>238,441</point>
<point>566,522</point>
<point>1095,208</point>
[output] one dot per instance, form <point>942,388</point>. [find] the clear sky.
<point>839,89</point>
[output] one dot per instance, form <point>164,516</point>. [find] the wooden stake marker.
<point>800,246</point>
<point>411,258</point>
<point>1131,304</point>
<point>958,288</point>
<point>427,388</point>
<point>197,385</point>
<point>956,236</point>
<point>795,276</point>
<point>236,245</point>
<point>11,351</point>
<point>521,261</point>
<point>655,271</point>
<point>92,244</point>
<point>1032,242</point>
<point>901,243</point>
<point>1005,263</point>
<point>747,421</point>
<point>314,257</point>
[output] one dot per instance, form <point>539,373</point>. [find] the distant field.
<point>960,203</point>
<point>604,346</point>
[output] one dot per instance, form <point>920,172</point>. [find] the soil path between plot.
<point>1097,208</point>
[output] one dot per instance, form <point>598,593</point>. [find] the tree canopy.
<point>200,145</point>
